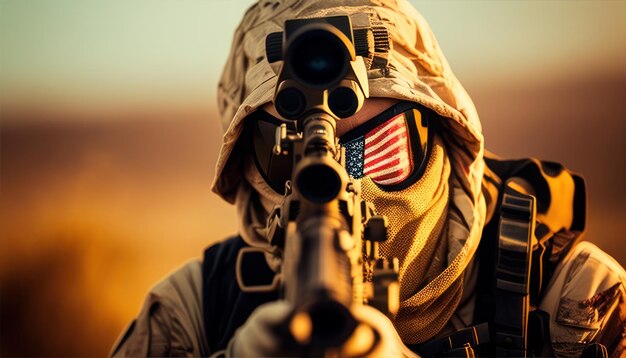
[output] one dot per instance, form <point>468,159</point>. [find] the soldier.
<point>490,261</point>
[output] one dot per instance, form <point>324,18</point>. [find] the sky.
<point>99,53</point>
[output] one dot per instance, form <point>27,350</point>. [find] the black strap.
<point>513,261</point>
<point>459,344</point>
<point>226,308</point>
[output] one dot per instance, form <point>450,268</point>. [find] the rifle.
<point>328,234</point>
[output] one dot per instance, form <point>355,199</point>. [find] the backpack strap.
<point>512,272</point>
<point>225,306</point>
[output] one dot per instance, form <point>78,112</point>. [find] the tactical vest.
<point>536,214</point>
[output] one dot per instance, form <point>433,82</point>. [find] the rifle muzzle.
<point>323,323</point>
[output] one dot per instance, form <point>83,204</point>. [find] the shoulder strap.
<point>512,272</point>
<point>225,307</point>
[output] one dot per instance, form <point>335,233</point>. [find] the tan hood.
<point>417,71</point>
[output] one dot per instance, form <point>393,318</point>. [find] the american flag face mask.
<point>390,148</point>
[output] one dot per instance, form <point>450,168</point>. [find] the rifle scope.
<point>318,67</point>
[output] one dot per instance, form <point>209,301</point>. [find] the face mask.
<point>391,147</point>
<point>417,222</point>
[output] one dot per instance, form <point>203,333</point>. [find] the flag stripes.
<point>387,152</point>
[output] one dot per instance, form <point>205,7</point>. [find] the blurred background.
<point>109,136</point>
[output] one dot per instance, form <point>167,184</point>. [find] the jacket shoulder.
<point>586,300</point>
<point>171,320</point>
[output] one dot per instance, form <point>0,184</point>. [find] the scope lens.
<point>343,102</point>
<point>319,58</point>
<point>290,102</point>
<point>319,183</point>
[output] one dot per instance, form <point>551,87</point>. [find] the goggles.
<point>391,148</point>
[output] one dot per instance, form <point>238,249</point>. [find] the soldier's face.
<point>386,141</point>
